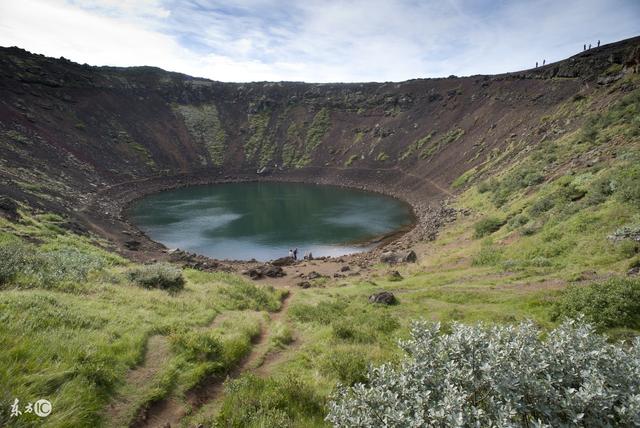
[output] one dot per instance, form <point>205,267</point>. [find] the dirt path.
<point>261,357</point>
<point>157,354</point>
<point>172,410</point>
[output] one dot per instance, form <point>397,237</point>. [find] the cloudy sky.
<point>316,40</point>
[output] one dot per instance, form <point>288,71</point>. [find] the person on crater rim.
<point>290,253</point>
<point>295,253</point>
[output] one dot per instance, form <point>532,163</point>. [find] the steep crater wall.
<point>83,141</point>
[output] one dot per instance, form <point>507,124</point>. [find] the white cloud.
<point>315,40</point>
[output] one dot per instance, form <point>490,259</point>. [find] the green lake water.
<point>241,221</point>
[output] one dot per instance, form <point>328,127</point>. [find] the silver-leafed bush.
<point>503,376</point>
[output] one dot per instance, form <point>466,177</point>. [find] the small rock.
<point>395,276</point>
<point>9,207</point>
<point>132,245</point>
<point>314,275</point>
<point>384,297</point>
<point>634,271</point>
<point>389,257</point>
<point>409,256</point>
<point>304,284</point>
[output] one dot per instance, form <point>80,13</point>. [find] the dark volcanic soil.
<point>84,141</point>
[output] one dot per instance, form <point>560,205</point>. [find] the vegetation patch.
<point>503,375</point>
<point>158,275</point>
<point>448,138</point>
<point>487,226</point>
<point>416,146</point>
<point>284,401</point>
<point>204,125</point>
<point>609,304</point>
<point>351,160</point>
<point>258,147</point>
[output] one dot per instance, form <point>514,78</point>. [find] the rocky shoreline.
<point>107,212</point>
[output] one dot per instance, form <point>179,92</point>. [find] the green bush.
<point>609,304</point>
<point>28,265</point>
<point>253,402</point>
<point>485,186</point>
<point>542,205</point>
<point>159,275</point>
<point>487,226</point>
<point>521,178</point>
<point>627,185</point>
<point>14,256</point>
<point>347,366</point>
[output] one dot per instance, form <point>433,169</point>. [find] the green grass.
<point>74,344</point>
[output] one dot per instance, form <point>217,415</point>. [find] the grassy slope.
<point>554,206</point>
<point>516,272</point>
<point>72,342</point>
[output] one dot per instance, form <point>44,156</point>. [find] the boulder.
<point>273,271</point>
<point>393,257</point>
<point>314,275</point>
<point>9,208</point>
<point>304,284</point>
<point>345,268</point>
<point>395,276</point>
<point>265,270</point>
<point>409,256</point>
<point>384,297</point>
<point>132,245</point>
<point>283,261</point>
<point>389,257</point>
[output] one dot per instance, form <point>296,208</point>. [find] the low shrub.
<point>517,221</point>
<point>498,376</point>
<point>254,402</point>
<point>485,186</point>
<point>14,256</point>
<point>28,265</point>
<point>488,255</point>
<point>159,275</point>
<point>487,226</point>
<point>627,185</point>
<point>345,329</point>
<point>542,205</point>
<point>347,366</point>
<point>608,304</point>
